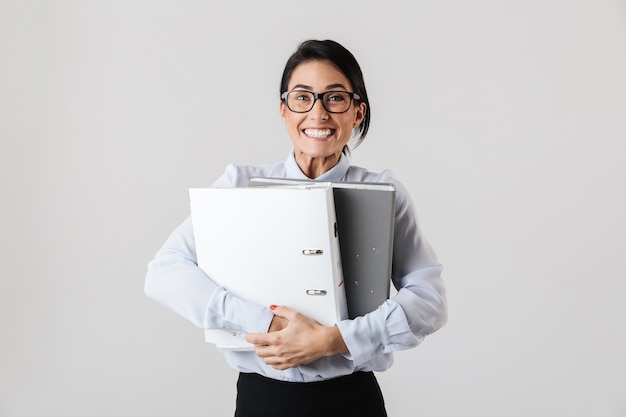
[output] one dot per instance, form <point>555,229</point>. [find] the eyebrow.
<point>328,87</point>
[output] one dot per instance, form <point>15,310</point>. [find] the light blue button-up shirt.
<point>418,309</point>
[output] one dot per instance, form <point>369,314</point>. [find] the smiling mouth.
<point>318,133</point>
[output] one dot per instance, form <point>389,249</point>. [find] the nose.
<point>318,110</point>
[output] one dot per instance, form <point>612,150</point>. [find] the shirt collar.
<point>336,173</point>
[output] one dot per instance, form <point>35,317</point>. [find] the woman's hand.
<point>294,339</point>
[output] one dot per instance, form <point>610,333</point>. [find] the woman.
<point>300,366</point>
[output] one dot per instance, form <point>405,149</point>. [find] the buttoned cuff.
<point>384,330</point>
<point>229,312</point>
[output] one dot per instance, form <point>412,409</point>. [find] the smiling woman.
<point>299,365</point>
<point>320,132</point>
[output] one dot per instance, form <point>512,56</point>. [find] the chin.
<point>319,151</point>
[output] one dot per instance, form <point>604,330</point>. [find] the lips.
<point>318,133</point>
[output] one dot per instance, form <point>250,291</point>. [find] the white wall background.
<point>505,119</point>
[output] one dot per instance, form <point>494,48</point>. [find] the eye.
<point>301,96</point>
<point>336,96</point>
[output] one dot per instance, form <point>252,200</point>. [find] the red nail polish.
<point>272,307</point>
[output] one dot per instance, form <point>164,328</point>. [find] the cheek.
<point>293,120</point>
<point>292,124</point>
<point>350,123</point>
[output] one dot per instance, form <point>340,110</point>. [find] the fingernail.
<point>272,307</point>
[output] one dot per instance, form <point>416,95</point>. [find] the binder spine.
<point>337,273</point>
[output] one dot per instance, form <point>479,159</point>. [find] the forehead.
<point>318,75</point>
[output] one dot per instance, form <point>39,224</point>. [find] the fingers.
<point>292,339</point>
<point>277,358</point>
<point>271,349</point>
<point>284,312</point>
<point>260,339</point>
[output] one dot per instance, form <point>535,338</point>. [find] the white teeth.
<point>318,133</point>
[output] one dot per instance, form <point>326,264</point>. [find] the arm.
<point>175,281</point>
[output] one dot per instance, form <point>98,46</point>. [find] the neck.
<point>314,167</point>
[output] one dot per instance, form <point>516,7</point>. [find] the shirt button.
<point>382,347</point>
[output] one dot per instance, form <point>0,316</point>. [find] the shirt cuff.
<point>229,312</point>
<point>382,331</point>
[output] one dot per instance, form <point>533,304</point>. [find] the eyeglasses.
<point>301,101</point>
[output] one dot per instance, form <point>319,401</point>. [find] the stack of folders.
<point>321,248</point>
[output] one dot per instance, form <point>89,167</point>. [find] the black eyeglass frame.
<point>318,96</point>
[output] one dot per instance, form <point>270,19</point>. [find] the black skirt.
<point>351,395</point>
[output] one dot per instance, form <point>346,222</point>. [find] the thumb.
<point>283,311</point>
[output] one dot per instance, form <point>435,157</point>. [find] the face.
<point>319,134</point>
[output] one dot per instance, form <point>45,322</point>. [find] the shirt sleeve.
<point>175,281</point>
<point>417,310</point>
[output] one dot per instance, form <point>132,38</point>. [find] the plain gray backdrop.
<point>505,120</point>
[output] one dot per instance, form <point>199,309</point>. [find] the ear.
<point>283,111</point>
<point>359,114</point>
